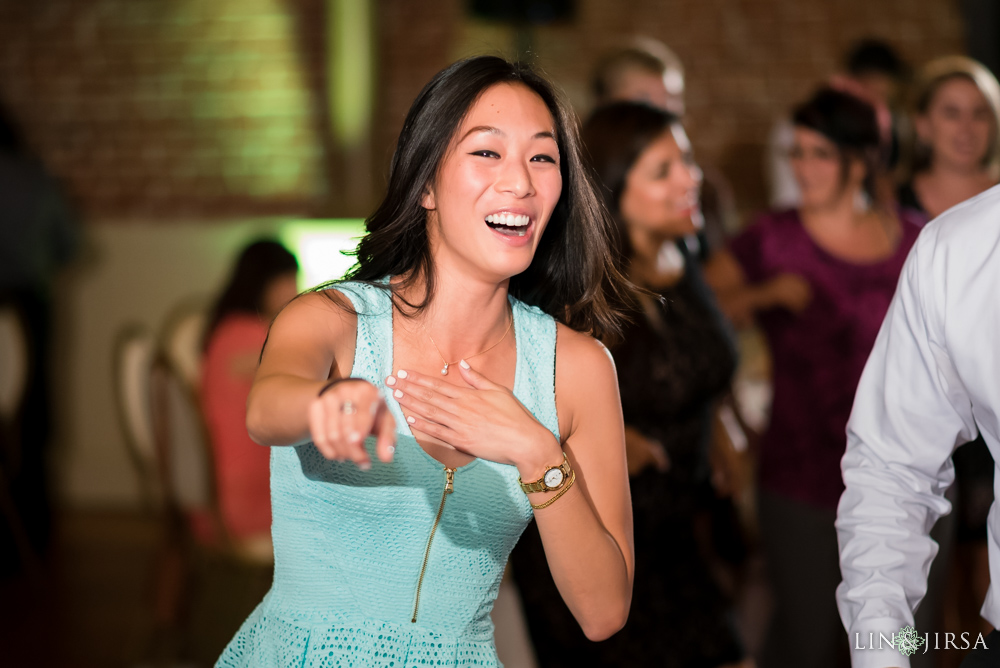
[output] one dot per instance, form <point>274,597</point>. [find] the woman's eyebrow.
<point>489,129</point>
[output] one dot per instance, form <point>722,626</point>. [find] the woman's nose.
<point>515,178</point>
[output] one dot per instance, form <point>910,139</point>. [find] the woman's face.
<point>958,126</point>
<point>660,197</point>
<point>496,186</point>
<point>279,291</point>
<point>818,172</point>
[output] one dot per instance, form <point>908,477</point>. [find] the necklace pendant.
<point>444,369</point>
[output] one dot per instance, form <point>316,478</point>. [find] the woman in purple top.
<point>818,280</point>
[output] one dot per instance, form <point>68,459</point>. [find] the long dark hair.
<point>615,136</point>
<point>258,264</point>
<point>851,124</point>
<point>572,275</point>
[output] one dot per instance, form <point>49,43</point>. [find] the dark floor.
<point>92,602</point>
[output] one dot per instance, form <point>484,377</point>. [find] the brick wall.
<point>165,108</point>
<point>747,61</point>
<point>202,108</point>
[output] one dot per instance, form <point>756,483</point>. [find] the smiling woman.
<point>818,279</point>
<point>402,488</point>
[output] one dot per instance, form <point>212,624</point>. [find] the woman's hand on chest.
<point>484,419</point>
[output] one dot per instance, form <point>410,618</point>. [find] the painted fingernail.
<point>373,407</point>
<point>398,394</point>
<point>390,381</point>
<point>365,466</point>
<point>391,449</point>
<point>354,436</point>
<point>464,364</point>
<point>411,419</point>
<point>401,373</point>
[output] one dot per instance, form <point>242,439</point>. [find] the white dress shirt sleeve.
<point>910,412</point>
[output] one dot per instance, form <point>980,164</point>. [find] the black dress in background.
<point>671,369</point>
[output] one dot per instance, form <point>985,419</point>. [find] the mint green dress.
<point>388,568</point>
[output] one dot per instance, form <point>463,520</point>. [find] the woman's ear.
<point>428,201</point>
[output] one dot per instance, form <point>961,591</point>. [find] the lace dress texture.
<point>351,546</point>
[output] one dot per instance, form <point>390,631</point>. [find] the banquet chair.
<point>134,350</point>
<point>197,544</point>
<point>14,372</point>
<point>181,338</point>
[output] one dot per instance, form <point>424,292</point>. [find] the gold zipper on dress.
<point>449,487</point>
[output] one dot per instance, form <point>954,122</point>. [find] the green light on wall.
<point>351,68</point>
<point>319,246</point>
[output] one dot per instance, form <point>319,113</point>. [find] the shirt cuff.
<point>875,643</point>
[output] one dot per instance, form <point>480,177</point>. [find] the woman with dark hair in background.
<point>646,70</point>
<point>872,70</point>
<point>674,362</point>
<point>415,405</point>
<point>262,282</point>
<point>819,280</point>
<point>956,156</point>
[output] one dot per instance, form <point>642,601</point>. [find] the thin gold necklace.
<point>444,369</point>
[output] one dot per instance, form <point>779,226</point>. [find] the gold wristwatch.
<point>553,478</point>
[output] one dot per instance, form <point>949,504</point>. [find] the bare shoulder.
<point>318,328</point>
<point>582,353</point>
<point>586,379</point>
<point>328,311</point>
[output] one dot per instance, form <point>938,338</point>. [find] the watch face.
<point>553,478</point>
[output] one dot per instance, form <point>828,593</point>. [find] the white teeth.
<point>508,219</point>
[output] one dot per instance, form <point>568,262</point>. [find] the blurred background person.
<point>955,157</point>
<point>674,362</point>
<point>263,281</point>
<point>872,70</point>
<point>646,70</point>
<point>818,279</point>
<point>38,237</point>
<point>956,117</point>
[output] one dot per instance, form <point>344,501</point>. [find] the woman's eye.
<point>486,154</point>
<point>544,158</point>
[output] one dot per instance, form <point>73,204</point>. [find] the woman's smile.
<point>503,170</point>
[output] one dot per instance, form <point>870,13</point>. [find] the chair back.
<point>135,348</point>
<point>13,362</point>
<point>183,448</point>
<point>181,340</point>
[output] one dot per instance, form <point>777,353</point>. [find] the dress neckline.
<point>870,264</point>
<point>396,409</point>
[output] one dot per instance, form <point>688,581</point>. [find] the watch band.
<point>555,497</point>
<point>540,485</point>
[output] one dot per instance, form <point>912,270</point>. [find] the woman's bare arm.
<point>587,534</point>
<point>310,343</point>
<point>739,299</point>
